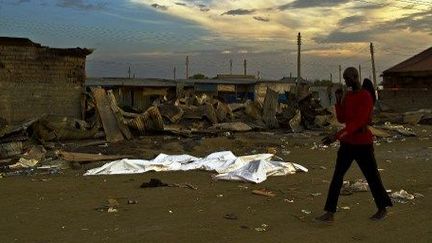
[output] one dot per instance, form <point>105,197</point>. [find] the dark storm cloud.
<point>203,8</point>
<point>81,5</point>
<point>352,20</point>
<point>239,12</point>
<point>312,4</point>
<point>262,19</point>
<point>160,7</point>
<point>370,6</point>
<point>416,22</point>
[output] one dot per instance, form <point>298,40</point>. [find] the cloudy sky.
<point>154,36</point>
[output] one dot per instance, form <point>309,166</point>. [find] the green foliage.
<point>199,76</point>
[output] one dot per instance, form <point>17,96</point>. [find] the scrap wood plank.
<point>109,121</point>
<point>84,157</point>
<point>119,116</point>
<point>270,108</point>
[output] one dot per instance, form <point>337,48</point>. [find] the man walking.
<point>356,143</point>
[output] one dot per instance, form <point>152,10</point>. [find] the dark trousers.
<point>364,155</point>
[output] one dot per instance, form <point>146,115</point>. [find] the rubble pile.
<point>182,116</point>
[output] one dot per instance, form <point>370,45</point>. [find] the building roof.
<point>25,42</point>
<point>235,77</point>
<point>155,82</point>
<point>14,41</point>
<point>291,80</point>
<point>218,81</point>
<point>113,82</point>
<point>421,62</point>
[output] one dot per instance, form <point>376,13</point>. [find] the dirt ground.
<point>66,207</point>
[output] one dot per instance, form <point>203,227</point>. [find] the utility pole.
<point>373,64</point>
<point>129,72</point>
<point>340,74</point>
<point>187,67</point>
<point>245,67</point>
<point>231,66</point>
<point>298,61</point>
<point>360,73</point>
<point>175,73</point>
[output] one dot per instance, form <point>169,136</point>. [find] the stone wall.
<point>37,80</point>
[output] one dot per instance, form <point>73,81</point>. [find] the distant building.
<point>408,85</point>
<point>231,90</point>
<point>138,94</point>
<point>415,72</point>
<point>237,77</point>
<point>286,84</point>
<point>37,80</point>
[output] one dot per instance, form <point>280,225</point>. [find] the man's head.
<point>351,77</point>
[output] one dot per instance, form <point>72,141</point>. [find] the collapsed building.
<point>36,80</point>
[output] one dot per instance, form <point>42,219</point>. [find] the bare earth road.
<point>67,207</point>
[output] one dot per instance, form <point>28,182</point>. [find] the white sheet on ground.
<point>253,168</point>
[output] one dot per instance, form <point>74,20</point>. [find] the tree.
<point>198,76</point>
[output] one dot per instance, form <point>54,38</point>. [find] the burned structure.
<point>37,80</point>
<point>408,85</point>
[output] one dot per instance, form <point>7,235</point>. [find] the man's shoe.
<point>380,215</point>
<point>328,217</point>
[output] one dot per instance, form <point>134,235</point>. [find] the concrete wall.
<point>403,100</point>
<point>37,80</point>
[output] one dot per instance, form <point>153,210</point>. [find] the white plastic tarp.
<point>252,168</point>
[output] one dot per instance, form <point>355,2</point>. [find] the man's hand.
<point>329,139</point>
<point>339,96</point>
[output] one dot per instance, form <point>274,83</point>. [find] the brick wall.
<point>37,80</point>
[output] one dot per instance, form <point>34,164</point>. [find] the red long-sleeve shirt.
<point>356,112</point>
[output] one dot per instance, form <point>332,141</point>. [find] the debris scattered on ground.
<point>230,216</point>
<point>349,187</point>
<point>24,163</point>
<point>306,211</point>
<point>402,196</point>
<point>262,228</point>
<point>153,183</point>
<point>84,157</point>
<point>397,129</point>
<point>264,192</point>
<point>112,210</point>
<point>111,206</point>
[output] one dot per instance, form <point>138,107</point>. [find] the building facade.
<point>37,80</point>
<point>407,86</point>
